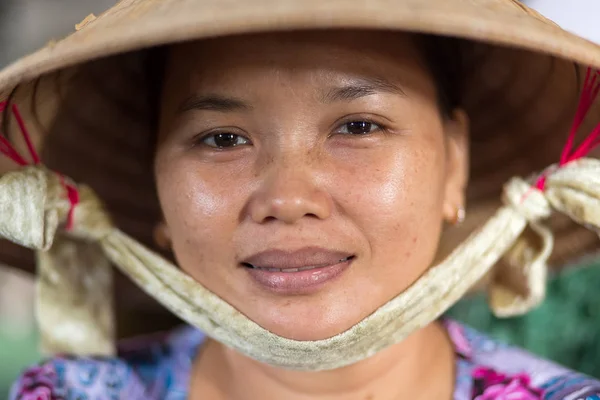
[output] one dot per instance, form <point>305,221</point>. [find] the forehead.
<point>379,53</point>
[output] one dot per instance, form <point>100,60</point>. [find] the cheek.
<point>199,208</point>
<point>396,198</point>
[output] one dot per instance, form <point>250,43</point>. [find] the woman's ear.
<point>162,236</point>
<point>456,131</point>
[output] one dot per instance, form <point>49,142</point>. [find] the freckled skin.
<point>381,197</point>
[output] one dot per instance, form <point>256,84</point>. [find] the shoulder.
<point>146,368</point>
<point>500,369</point>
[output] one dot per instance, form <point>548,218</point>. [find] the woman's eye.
<point>358,128</point>
<point>224,140</point>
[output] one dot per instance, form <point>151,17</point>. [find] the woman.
<point>305,180</point>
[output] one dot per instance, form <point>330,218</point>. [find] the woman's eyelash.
<point>222,140</point>
<point>359,127</point>
<point>227,140</point>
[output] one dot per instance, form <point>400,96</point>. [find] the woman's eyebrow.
<point>360,88</point>
<point>213,103</point>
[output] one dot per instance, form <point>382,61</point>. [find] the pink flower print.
<point>461,344</point>
<point>491,385</point>
<point>37,383</point>
<point>38,393</point>
<point>488,376</point>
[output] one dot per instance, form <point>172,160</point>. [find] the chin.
<point>306,321</point>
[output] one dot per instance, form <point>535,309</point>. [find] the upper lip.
<point>301,258</point>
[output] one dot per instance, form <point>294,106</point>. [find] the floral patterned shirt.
<point>158,368</point>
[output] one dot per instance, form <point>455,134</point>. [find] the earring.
<point>460,216</point>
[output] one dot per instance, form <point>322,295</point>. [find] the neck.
<point>420,367</point>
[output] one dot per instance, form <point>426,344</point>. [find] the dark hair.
<point>444,58</point>
<point>155,72</point>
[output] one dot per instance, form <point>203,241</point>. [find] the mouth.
<point>299,269</point>
<point>303,271</point>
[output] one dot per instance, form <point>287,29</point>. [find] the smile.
<point>297,272</point>
<point>290,270</point>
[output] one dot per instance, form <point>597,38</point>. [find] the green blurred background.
<point>564,329</point>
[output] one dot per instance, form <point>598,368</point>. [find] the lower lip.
<point>300,282</point>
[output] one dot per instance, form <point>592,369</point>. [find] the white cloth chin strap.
<point>74,285</point>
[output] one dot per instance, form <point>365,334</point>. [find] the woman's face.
<point>305,177</point>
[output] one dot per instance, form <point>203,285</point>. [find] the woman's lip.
<point>289,270</point>
<point>311,257</point>
<point>299,282</point>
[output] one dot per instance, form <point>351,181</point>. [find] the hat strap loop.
<point>11,152</point>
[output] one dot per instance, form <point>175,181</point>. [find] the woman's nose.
<point>289,193</point>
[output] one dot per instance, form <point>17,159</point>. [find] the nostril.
<point>278,205</point>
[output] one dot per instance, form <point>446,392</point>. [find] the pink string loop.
<point>589,93</point>
<point>73,196</point>
<point>7,149</point>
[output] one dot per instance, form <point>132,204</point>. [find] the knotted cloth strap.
<point>77,319</point>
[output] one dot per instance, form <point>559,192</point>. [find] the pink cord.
<point>9,150</point>
<point>590,91</point>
